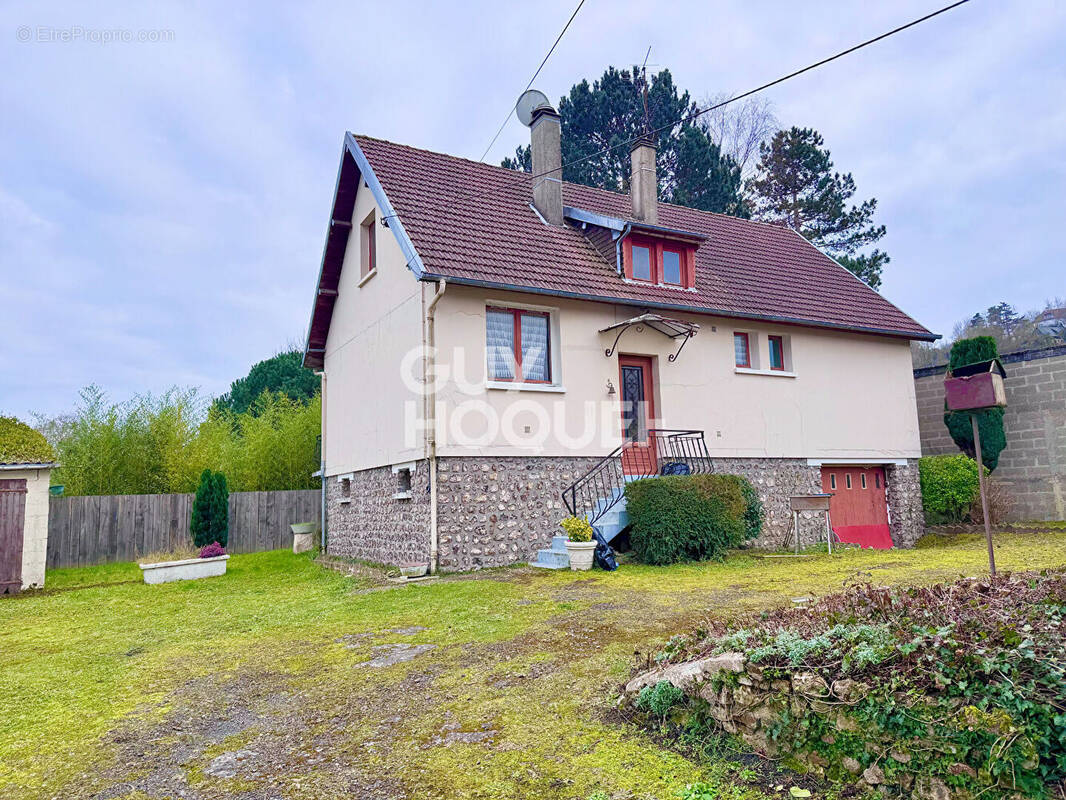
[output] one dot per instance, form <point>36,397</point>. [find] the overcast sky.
<point>163,204</point>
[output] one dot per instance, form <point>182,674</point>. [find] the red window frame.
<point>747,349</point>
<point>371,252</point>
<point>780,349</point>
<point>516,315</point>
<point>656,247</point>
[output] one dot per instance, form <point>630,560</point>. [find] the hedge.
<point>19,443</point>
<point>949,487</point>
<point>691,517</point>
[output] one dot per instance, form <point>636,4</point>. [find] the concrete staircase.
<point>609,525</point>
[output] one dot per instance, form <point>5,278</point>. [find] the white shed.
<point>23,525</point>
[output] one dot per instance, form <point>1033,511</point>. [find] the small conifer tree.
<point>220,510</point>
<point>210,510</point>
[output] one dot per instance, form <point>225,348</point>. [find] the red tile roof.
<point>472,222</point>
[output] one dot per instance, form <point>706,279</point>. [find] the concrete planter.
<point>581,554</point>
<point>186,570</point>
<point>302,536</point>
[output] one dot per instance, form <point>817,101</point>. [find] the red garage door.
<point>858,508</point>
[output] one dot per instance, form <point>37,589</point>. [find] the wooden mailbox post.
<point>975,388</point>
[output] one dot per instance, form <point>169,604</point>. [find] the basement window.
<point>403,481</point>
<point>346,489</point>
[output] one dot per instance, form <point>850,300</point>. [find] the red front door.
<point>858,508</point>
<point>638,406</point>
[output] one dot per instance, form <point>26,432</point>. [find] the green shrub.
<point>659,699</point>
<point>691,517</point>
<point>989,421</point>
<point>577,529</point>
<point>19,443</point>
<point>210,510</point>
<point>949,486</point>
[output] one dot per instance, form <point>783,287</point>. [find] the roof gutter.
<point>710,312</point>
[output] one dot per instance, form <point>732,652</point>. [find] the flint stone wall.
<point>749,704</point>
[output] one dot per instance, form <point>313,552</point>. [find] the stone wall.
<point>904,492</point>
<point>492,512</point>
<point>497,511</point>
<point>776,480</point>
<point>373,525</point>
<point>1033,467</point>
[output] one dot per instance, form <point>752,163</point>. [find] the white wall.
<point>373,327</point>
<point>852,395</point>
<point>35,532</point>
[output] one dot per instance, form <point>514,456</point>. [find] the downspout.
<point>322,460</point>
<point>618,248</point>
<point>431,418</point>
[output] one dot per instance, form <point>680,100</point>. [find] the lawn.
<point>257,683</point>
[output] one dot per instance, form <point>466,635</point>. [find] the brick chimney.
<point>643,182</point>
<point>545,133</point>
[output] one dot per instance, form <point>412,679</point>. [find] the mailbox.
<point>976,386</point>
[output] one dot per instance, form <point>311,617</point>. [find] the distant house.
<point>579,338</point>
<point>23,525</point>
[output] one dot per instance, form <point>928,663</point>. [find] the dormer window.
<point>660,261</point>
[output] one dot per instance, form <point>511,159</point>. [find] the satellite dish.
<point>530,100</point>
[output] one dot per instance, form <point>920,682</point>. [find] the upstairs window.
<point>665,263</point>
<point>777,353</point>
<point>672,272</point>
<point>518,345</point>
<point>641,263</point>
<point>369,246</point>
<point>741,349</point>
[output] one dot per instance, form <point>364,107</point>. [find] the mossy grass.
<point>524,656</point>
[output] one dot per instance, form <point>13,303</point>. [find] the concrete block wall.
<point>1033,466</point>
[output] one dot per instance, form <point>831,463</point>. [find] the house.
<point>498,349</point>
<point>23,525</point>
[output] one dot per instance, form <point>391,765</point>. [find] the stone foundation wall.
<point>905,516</point>
<point>497,511</point>
<point>373,525</point>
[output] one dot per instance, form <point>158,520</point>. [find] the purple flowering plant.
<point>212,550</point>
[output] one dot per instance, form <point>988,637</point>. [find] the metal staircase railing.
<point>598,490</point>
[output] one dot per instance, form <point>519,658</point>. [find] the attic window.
<point>662,262</point>
<point>369,247</point>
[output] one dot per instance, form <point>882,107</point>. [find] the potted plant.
<point>579,543</point>
<point>185,565</point>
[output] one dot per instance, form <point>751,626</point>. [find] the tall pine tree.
<point>795,185</point>
<point>599,119</point>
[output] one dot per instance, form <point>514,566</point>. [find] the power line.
<point>750,92</point>
<point>535,74</point>
<point>765,86</point>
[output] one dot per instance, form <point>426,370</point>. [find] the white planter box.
<point>186,570</point>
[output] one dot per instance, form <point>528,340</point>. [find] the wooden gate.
<point>12,523</point>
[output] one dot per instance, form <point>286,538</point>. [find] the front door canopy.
<point>674,328</point>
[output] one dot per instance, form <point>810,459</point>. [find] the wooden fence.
<point>90,529</point>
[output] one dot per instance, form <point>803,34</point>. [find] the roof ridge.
<point>497,168</point>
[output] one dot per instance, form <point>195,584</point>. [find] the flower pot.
<point>581,554</point>
<point>302,536</point>
<point>185,570</point>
